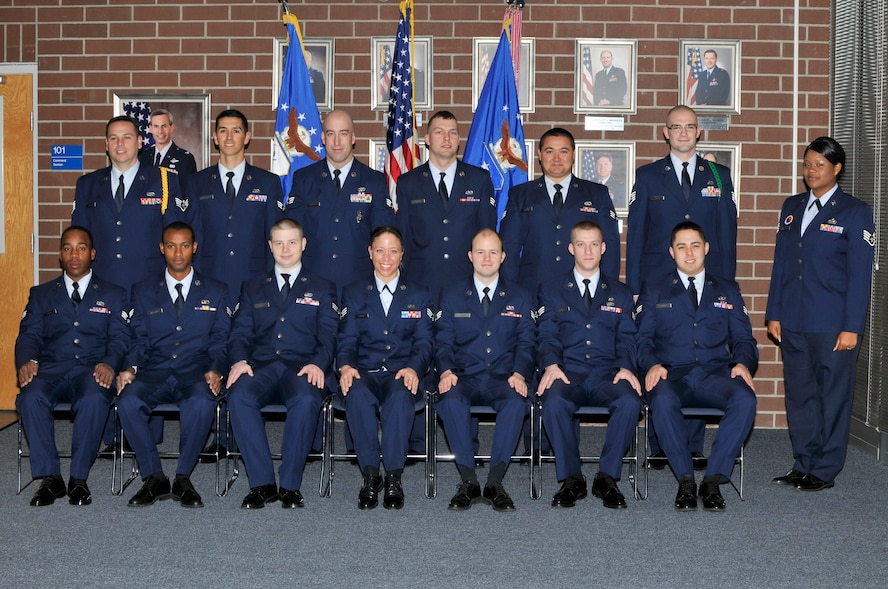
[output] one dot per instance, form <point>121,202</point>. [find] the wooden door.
<point>17,255</point>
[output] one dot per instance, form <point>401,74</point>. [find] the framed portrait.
<point>379,153</point>
<point>319,58</point>
<point>483,50</point>
<point>710,79</point>
<point>531,156</point>
<point>611,163</point>
<point>605,76</point>
<point>381,49</point>
<point>726,154</point>
<point>190,113</point>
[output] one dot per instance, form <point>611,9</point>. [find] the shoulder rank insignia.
<point>432,315</point>
<point>126,315</point>
<point>182,203</point>
<point>341,312</point>
<point>631,198</point>
<point>869,237</point>
<point>536,314</point>
<point>231,312</point>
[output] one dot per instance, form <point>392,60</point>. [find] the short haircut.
<point>89,237</point>
<point>679,108</point>
<point>382,230</point>
<point>234,114</point>
<point>586,225</point>
<point>687,226</point>
<point>177,226</point>
<point>286,223</point>
<point>604,154</point>
<point>830,149</point>
<point>162,111</point>
<point>487,231</point>
<point>712,51</point>
<point>122,119</point>
<point>557,132</point>
<point>441,114</point>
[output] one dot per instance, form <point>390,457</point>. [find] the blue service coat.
<point>829,267</point>
<point>233,241</point>
<point>715,88</point>
<point>535,239</point>
<point>657,205</point>
<point>338,226</point>
<point>437,240</point>
<point>127,243</point>
<point>177,160</point>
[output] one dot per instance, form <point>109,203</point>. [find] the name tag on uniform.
<point>257,197</point>
<point>462,315</point>
<point>150,201</point>
<point>711,192</point>
<point>658,197</point>
<point>102,310</point>
<point>611,309</point>
<point>663,306</point>
<point>418,201</point>
<point>722,305</point>
<point>832,228</point>
<point>308,301</point>
<point>411,314</point>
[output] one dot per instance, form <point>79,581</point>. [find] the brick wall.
<point>89,50</point>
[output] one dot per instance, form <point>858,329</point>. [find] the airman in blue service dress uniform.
<point>817,305</point>
<point>125,230</point>
<point>234,228</point>
<point>536,227</point>
<point>180,326</point>
<point>338,202</point>
<point>714,83</point>
<point>281,347</point>
<point>485,356</point>
<point>172,157</point>
<point>696,349</point>
<point>586,348</point>
<point>71,342</point>
<point>384,352</point>
<point>438,225</point>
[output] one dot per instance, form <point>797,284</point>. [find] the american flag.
<point>694,62</point>
<point>588,79</point>
<point>399,140</point>
<point>141,113</point>
<point>385,70</point>
<point>587,165</point>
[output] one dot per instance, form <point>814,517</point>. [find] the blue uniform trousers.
<point>819,392</point>
<point>270,385</point>
<point>90,404</point>
<point>562,400</point>
<point>455,405</point>
<point>700,388</point>
<point>196,407</point>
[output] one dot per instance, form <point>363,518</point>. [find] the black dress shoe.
<point>700,462</point>
<point>812,483</point>
<point>712,497</point>
<point>572,490</point>
<point>496,495</point>
<point>156,487</point>
<point>51,488</point>
<point>291,499</point>
<point>368,496</point>
<point>208,454</point>
<point>259,496</point>
<point>605,488</point>
<point>467,493</point>
<point>686,498</point>
<point>790,479</point>
<point>656,461</point>
<point>394,493</point>
<point>184,492</point>
<point>78,492</point>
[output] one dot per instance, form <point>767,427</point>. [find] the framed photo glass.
<point>726,154</point>
<point>319,58</point>
<point>483,50</point>
<point>711,75</point>
<point>381,72</point>
<point>611,163</point>
<point>605,76</point>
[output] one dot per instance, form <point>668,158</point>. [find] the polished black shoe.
<point>712,497</point>
<point>184,492</point>
<point>292,499</point>
<point>467,494</point>
<point>208,454</point>
<point>394,493</point>
<point>572,490</point>
<point>656,461</point>
<point>496,495</point>
<point>78,492</point>
<point>368,496</point>
<point>259,496</point>
<point>790,479</point>
<point>156,487</point>
<point>700,462</point>
<point>51,488</point>
<point>812,483</point>
<point>686,498</point>
<point>605,488</point>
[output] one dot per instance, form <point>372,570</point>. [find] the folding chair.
<point>715,415</point>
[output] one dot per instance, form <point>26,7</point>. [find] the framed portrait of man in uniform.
<point>605,76</point>
<point>483,50</point>
<point>726,153</point>
<point>381,72</point>
<point>611,163</point>
<point>319,59</point>
<point>190,114</point>
<point>709,78</point>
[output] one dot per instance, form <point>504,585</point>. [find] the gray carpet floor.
<point>776,537</point>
